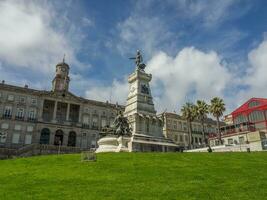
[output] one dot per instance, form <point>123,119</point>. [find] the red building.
<point>253,111</point>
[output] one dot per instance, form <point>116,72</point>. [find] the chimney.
<point>3,81</point>
<point>26,86</point>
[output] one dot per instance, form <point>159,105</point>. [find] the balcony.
<point>87,126</point>
<point>21,118</point>
<point>7,116</point>
<point>31,119</point>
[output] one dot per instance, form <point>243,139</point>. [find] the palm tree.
<point>189,113</point>
<point>202,109</point>
<point>217,108</point>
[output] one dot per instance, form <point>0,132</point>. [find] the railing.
<point>7,116</point>
<point>21,118</point>
<point>30,119</point>
<point>87,126</point>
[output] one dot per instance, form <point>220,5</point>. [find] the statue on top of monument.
<point>139,61</point>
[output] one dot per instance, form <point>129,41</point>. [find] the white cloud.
<point>255,77</point>
<point>28,38</point>
<point>116,92</point>
<point>190,75</point>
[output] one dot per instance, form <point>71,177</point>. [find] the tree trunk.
<point>219,131</point>
<point>203,133</point>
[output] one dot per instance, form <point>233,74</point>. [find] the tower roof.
<point>63,63</point>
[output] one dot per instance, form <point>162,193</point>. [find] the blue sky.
<point>194,49</point>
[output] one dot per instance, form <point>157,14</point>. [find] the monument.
<point>144,126</point>
<point>116,137</point>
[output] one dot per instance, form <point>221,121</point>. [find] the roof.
<point>31,91</point>
<point>245,109</point>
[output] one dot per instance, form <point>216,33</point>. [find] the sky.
<point>193,49</point>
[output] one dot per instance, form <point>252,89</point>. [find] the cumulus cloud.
<point>190,75</point>
<point>116,92</point>
<point>28,38</point>
<point>255,77</point>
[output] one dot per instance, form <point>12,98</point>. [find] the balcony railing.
<point>87,126</point>
<point>19,118</point>
<point>7,116</point>
<point>31,119</point>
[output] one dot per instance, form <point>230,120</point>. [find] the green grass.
<point>137,176</point>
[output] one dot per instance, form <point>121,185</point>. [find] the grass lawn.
<point>136,176</point>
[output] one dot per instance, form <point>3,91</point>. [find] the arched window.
<point>58,137</point>
<point>256,116</point>
<point>45,136</point>
<point>72,139</point>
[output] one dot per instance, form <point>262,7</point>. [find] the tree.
<point>202,110</point>
<point>217,108</point>
<point>189,113</point>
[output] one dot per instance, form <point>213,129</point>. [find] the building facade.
<point>56,117</point>
<point>176,128</point>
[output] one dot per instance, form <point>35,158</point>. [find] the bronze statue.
<point>139,61</point>
<point>120,127</point>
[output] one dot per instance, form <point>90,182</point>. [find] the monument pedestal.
<point>113,143</point>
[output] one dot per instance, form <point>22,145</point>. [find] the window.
<point>22,99</point>
<point>34,101</point>
<point>0,95</point>
<point>180,125</point>
<point>32,113</point>
<point>200,140</point>
<point>86,119</point>
<point>15,138</point>
<point>95,122</point>
<point>230,141</point>
<point>186,138</point>
<point>20,113</point>
<point>4,126</point>
<point>29,128</point>
<point>17,127</point>
<point>175,125</point>
<point>240,119</point>
<point>28,139</point>
<point>10,97</point>
<point>253,104</point>
<point>8,111</point>
<point>196,140</point>
<point>103,122</point>
<point>176,138</point>
<point>181,138</point>
<point>256,116</point>
<point>184,126</point>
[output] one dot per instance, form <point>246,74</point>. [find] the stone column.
<point>68,112</point>
<point>40,111</point>
<point>55,112</point>
<point>80,114</point>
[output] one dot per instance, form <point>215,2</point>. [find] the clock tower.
<point>61,81</point>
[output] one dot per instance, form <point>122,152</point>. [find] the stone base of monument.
<point>113,143</point>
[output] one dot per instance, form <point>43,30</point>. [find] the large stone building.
<point>176,128</point>
<point>55,117</point>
